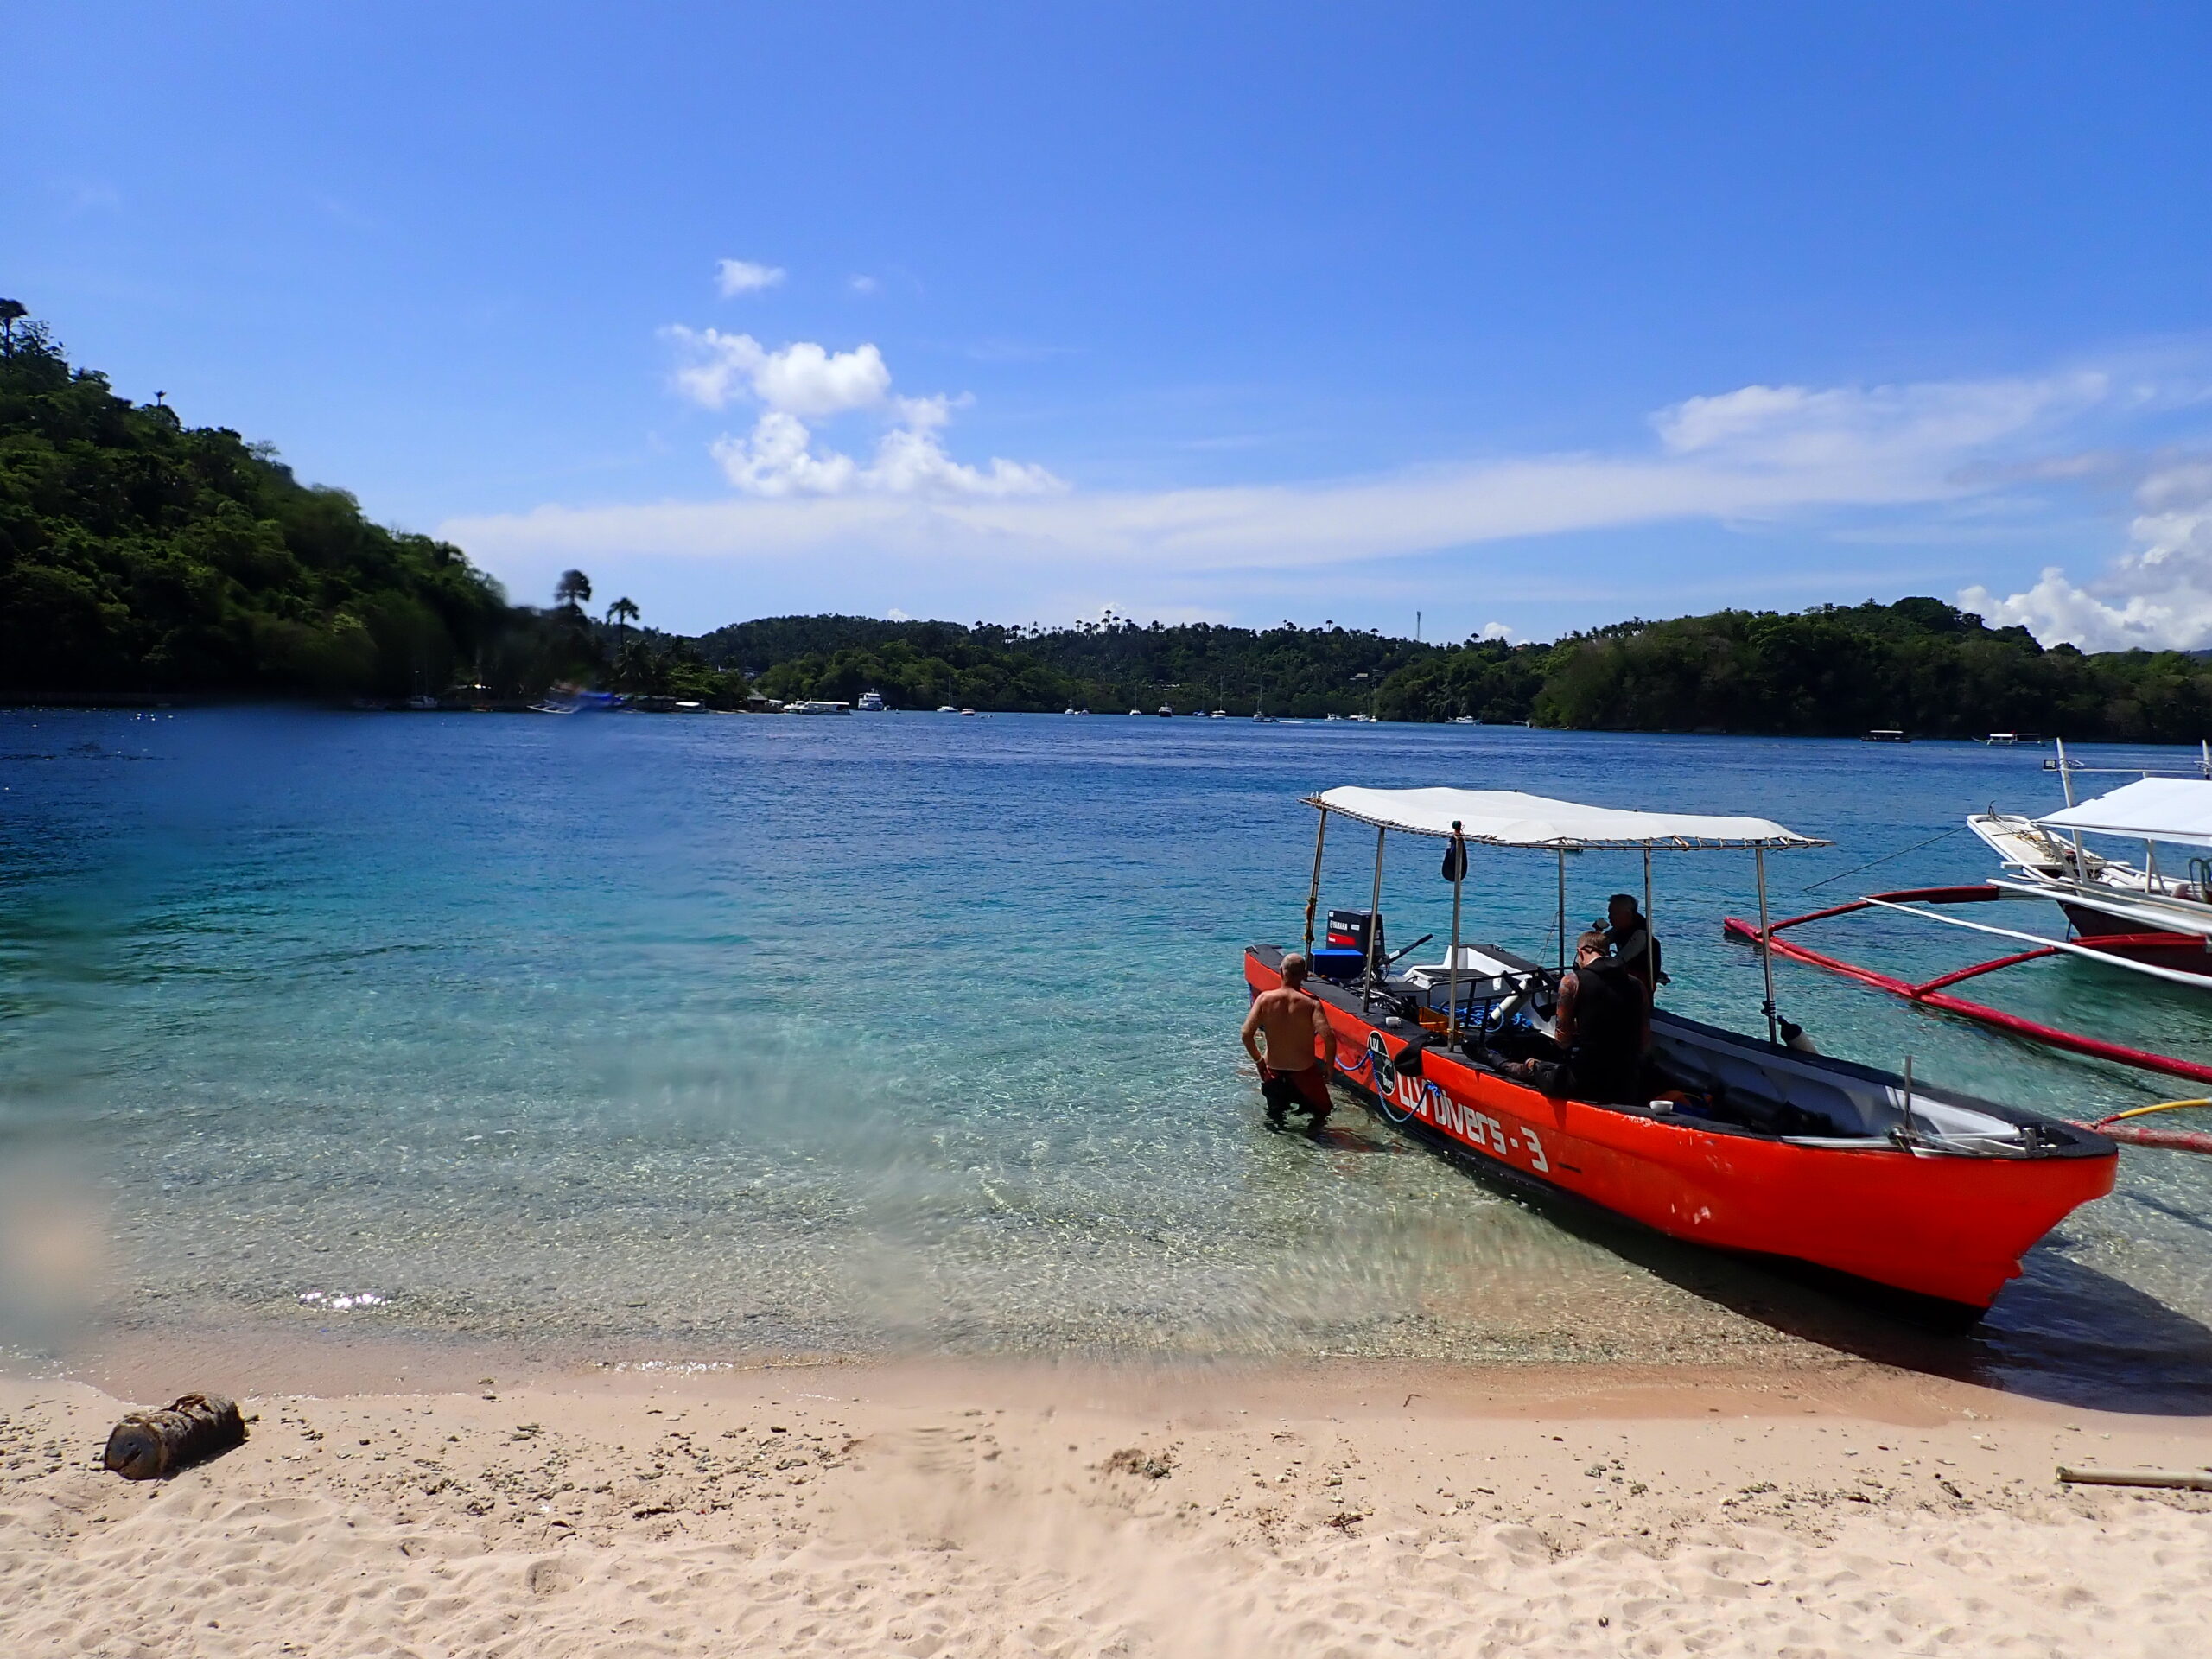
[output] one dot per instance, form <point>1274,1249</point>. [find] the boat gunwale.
<point>2066,1139</point>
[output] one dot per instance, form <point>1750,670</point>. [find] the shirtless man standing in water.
<point>1292,1018</point>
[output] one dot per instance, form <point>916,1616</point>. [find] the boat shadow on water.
<point>2063,1332</point>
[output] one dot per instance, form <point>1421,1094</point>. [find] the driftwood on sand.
<point>147,1445</point>
<point>2188,1480</point>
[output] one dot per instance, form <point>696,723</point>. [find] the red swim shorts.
<point>1305,1090</point>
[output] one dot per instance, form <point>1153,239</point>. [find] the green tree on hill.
<point>137,553</point>
<point>621,614</point>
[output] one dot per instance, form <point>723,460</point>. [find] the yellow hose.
<point>2163,1106</point>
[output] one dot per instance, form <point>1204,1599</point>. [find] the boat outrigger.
<point>2122,916</point>
<point>1743,1143</point>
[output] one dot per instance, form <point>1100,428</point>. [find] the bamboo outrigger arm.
<point>1934,994</point>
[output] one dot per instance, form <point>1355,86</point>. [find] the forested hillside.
<point>139,553</point>
<point>1110,666</point>
<point>1919,665</point>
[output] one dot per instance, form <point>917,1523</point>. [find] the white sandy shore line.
<point>852,1510</point>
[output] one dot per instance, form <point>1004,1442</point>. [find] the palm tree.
<point>10,311</point>
<point>572,590</point>
<point>621,612</point>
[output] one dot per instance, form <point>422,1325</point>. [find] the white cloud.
<point>800,379</point>
<point>805,379</point>
<point>1798,428</point>
<point>736,277</point>
<point>1760,455</point>
<point>1494,631</point>
<point>911,461</point>
<point>777,460</point>
<point>862,284</point>
<point>2157,596</point>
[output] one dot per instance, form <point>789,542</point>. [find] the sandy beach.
<point>1838,1509</point>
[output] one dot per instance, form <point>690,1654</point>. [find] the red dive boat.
<point>1746,1144</point>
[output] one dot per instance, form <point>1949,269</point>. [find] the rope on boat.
<point>2116,1127</point>
<point>1884,859</point>
<point>2163,1106</point>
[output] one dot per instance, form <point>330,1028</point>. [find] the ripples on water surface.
<point>743,1034</point>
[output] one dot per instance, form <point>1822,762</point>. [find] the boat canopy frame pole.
<point>1313,892</point>
<point>1651,967</point>
<point>1766,947</point>
<point>1562,909</point>
<point>1459,876</point>
<point>1374,922</point>
<point>2066,782</point>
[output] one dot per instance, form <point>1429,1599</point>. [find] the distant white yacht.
<point>871,702</point>
<point>817,706</point>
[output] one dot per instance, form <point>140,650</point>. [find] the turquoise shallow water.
<point>716,1034</point>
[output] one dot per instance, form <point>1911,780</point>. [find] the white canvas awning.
<point>1507,817</point>
<point>2157,808</point>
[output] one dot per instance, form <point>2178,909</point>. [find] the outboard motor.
<point>1344,956</point>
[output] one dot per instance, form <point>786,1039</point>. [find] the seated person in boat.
<point>1626,933</point>
<point>1601,1028</point>
<point>1293,1019</point>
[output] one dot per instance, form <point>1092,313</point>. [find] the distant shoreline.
<point>201,700</point>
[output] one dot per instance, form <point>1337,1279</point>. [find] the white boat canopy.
<point>2156,808</point>
<point>1508,817</point>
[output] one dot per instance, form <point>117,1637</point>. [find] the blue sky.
<point>1520,317</point>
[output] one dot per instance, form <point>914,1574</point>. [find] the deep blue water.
<point>703,1034</point>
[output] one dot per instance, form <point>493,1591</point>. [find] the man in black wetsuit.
<point>1604,1022</point>
<point>1602,1026</point>
<point>1628,934</point>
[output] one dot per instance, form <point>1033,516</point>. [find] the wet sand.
<point>387,1503</point>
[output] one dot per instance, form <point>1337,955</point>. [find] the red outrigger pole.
<point>1934,994</point>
